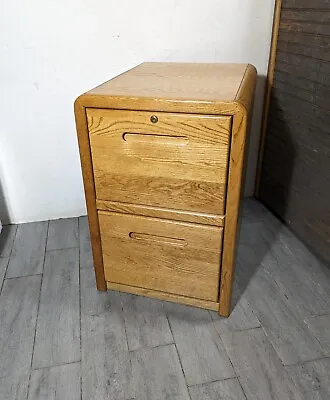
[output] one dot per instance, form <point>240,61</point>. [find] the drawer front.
<point>179,161</point>
<point>162,255</point>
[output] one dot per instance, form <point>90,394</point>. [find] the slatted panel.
<point>295,176</point>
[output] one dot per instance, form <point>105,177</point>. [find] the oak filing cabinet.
<point>162,151</point>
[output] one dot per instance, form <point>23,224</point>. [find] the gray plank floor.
<point>62,339</point>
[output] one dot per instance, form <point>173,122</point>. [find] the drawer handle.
<point>158,239</point>
<point>155,138</point>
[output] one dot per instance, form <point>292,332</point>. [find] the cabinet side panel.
<point>244,103</point>
<point>88,178</point>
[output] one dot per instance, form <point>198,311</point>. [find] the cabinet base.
<point>210,305</point>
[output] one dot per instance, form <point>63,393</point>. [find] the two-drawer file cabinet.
<point>162,151</point>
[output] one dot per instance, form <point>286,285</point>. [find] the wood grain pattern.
<point>57,336</point>
<point>160,212</point>
<point>190,301</point>
<point>89,187</point>
<point>106,369</point>
<point>192,174</point>
<point>158,375</point>
<point>62,382</point>
<point>229,389</point>
<point>244,101</point>
<point>172,87</point>
<point>131,154</point>
<point>201,351</point>
<point>141,252</point>
<point>27,256</point>
<point>175,81</point>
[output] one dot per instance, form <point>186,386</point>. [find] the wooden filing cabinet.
<point>162,151</point>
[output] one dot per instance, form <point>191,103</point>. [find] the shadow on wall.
<point>5,219</point>
<point>260,230</point>
<point>4,212</point>
<point>278,159</point>
<point>251,158</point>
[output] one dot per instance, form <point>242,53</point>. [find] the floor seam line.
<point>9,258</point>
<point>214,381</point>
<point>22,276</point>
<point>38,309</point>
<point>80,328</point>
<point>55,365</point>
<point>307,361</point>
<point>151,347</point>
<point>128,349</point>
<point>240,383</point>
<point>224,347</point>
<point>177,351</point>
<point>62,248</point>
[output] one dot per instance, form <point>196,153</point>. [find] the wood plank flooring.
<point>62,339</point>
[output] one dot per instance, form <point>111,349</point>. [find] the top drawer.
<point>161,159</point>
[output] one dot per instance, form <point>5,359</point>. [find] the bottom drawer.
<point>169,256</point>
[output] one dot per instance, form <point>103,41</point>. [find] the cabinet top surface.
<point>177,81</point>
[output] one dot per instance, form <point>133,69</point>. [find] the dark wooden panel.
<point>317,95</point>
<point>300,204</point>
<point>316,50</point>
<point>297,72</point>
<point>311,173</point>
<point>305,27</point>
<point>304,176</point>
<point>316,161</point>
<point>312,226</point>
<point>295,176</point>
<point>306,4</point>
<point>321,143</point>
<point>306,80</point>
<point>296,105</point>
<point>304,62</point>
<point>291,80</point>
<point>291,113</point>
<point>292,15</point>
<point>303,38</point>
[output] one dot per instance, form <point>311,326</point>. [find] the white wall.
<point>52,51</point>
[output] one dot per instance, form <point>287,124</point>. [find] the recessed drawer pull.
<point>155,138</point>
<point>158,239</point>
